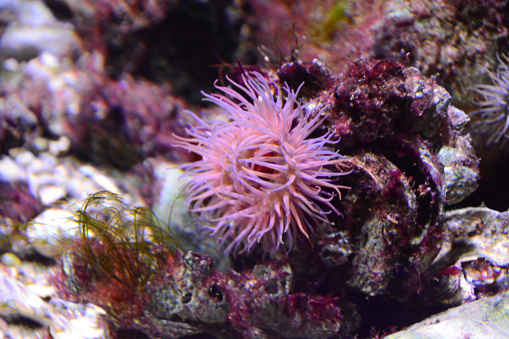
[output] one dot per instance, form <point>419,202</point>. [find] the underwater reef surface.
<point>253,169</point>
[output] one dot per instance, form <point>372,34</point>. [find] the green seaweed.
<point>325,30</point>
<point>124,245</point>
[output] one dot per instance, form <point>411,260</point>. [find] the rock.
<point>482,319</point>
<point>50,316</point>
<point>36,30</point>
<point>47,231</point>
<point>27,42</point>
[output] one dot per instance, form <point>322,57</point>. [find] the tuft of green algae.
<point>120,243</point>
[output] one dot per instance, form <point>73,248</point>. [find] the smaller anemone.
<point>493,112</point>
<point>262,177</point>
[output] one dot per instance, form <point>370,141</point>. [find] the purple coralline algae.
<point>17,205</point>
<point>393,123</point>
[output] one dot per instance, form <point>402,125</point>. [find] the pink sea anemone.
<point>261,176</point>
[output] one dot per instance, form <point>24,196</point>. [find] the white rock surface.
<point>47,231</point>
<point>20,297</point>
<point>481,319</point>
<point>35,31</point>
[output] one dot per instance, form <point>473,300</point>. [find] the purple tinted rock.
<point>17,204</point>
<point>392,123</point>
